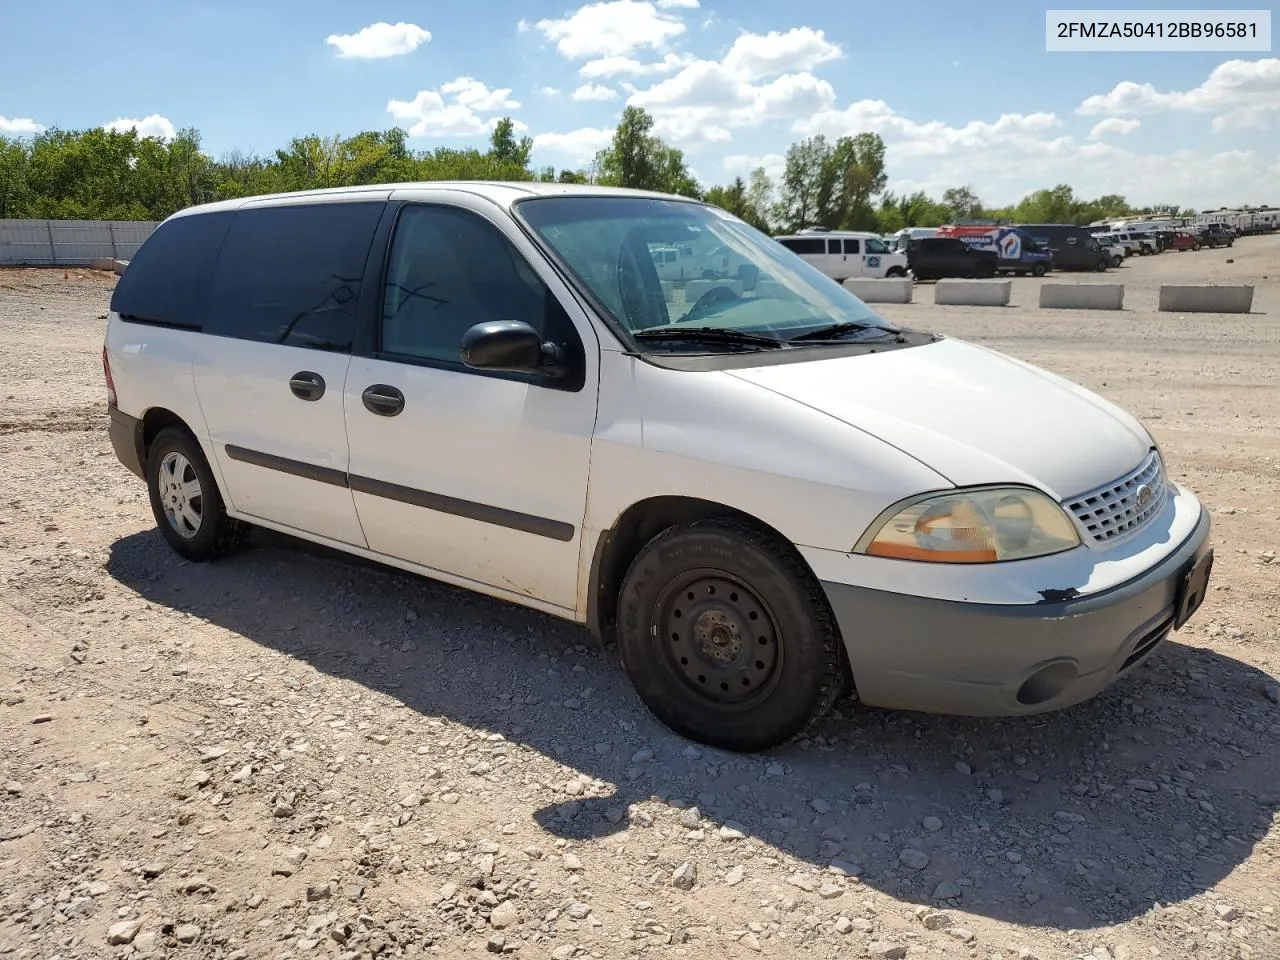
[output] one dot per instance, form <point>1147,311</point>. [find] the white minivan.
<point>844,254</point>
<point>766,494</point>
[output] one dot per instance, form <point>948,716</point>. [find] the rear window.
<point>291,275</point>
<point>167,281</point>
<point>804,244</point>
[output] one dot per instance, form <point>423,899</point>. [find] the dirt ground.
<point>291,754</point>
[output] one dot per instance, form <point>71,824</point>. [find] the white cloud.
<point>474,95</point>
<point>1232,84</point>
<point>152,126</point>
<point>762,78</point>
<point>1116,125</point>
<point>523,26</point>
<point>754,56</point>
<point>611,28</point>
<point>379,40</point>
<point>705,101</point>
<point>20,125</point>
<point>620,66</point>
<point>741,165</point>
<point>906,137</point>
<point>458,116</point>
<point>684,4</point>
<point>594,92</point>
<point>578,146</point>
<point>549,91</point>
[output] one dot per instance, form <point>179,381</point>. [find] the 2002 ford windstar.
<point>766,492</point>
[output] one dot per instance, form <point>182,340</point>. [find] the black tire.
<point>175,458</point>
<point>896,272</point>
<point>687,657</point>
<point>1038,270</point>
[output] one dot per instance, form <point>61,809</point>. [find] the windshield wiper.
<point>707,335</point>
<point>836,330</point>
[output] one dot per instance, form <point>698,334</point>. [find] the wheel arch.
<point>639,523</point>
<point>152,422</point>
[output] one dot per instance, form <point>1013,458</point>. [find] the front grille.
<point>1113,512</point>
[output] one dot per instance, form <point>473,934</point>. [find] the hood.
<point>971,414</point>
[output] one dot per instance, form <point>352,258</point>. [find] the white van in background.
<point>842,254</point>
<point>903,238</point>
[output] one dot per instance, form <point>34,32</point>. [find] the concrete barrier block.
<point>1178,298</point>
<point>119,266</point>
<point>696,288</point>
<point>668,290</point>
<point>769,289</point>
<point>888,290</point>
<point>102,263</point>
<point>973,293</point>
<point>1082,296</point>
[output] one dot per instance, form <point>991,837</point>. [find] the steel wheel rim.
<point>181,498</point>
<point>719,638</point>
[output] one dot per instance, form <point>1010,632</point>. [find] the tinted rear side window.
<point>291,275</point>
<point>167,282</point>
<point>804,245</point>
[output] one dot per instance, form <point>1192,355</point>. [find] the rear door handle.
<point>383,399</point>
<point>307,385</point>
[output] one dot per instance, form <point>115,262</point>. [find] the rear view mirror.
<point>512,346</point>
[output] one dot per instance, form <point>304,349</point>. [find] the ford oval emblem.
<point>1144,495</point>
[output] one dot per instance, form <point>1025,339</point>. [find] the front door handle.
<point>307,385</point>
<point>383,399</point>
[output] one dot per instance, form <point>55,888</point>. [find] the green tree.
<point>637,158</point>
<point>962,203</point>
<point>801,199</point>
<point>505,149</point>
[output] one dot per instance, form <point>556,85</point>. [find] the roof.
<point>500,191</point>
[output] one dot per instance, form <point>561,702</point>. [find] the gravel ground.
<point>294,754</point>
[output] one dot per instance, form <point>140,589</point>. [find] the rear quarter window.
<point>805,245</point>
<point>291,275</point>
<point>167,281</point>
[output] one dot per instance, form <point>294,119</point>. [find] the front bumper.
<point>978,659</point>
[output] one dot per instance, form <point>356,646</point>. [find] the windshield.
<point>729,276</point>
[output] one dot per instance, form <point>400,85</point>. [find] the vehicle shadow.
<point>1149,794</point>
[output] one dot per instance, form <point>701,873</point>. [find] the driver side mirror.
<point>512,346</point>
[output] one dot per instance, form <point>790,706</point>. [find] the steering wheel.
<point>709,299</point>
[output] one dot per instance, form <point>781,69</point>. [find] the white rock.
<point>123,932</point>
<point>932,824</point>
<point>571,863</point>
<point>504,915</point>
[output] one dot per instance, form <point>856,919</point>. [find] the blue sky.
<point>962,93</point>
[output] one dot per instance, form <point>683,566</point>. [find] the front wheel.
<point>185,500</point>
<point>1038,270</point>
<point>896,273</point>
<point>728,637</point>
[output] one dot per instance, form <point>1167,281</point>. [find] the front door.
<point>479,475</point>
<point>271,367</point>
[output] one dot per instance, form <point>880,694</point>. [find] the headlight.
<point>972,526</point>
